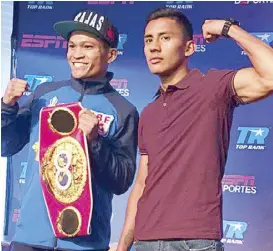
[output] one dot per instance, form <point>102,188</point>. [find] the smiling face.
<point>88,57</point>
<point>165,47</point>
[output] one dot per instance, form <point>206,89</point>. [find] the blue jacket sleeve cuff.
<point>10,109</point>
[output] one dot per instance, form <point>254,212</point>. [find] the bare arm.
<point>251,83</point>
<point>127,236</point>
<point>256,82</point>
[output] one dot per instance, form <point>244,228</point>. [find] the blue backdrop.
<point>39,56</point>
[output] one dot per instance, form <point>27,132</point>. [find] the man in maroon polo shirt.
<point>176,201</point>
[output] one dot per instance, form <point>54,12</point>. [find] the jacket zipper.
<point>82,92</point>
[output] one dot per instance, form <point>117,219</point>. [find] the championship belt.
<point>65,170</point>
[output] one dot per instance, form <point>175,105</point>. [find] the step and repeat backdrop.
<point>39,56</point>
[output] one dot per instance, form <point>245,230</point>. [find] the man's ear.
<point>112,55</point>
<point>189,48</point>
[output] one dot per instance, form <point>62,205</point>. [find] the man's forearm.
<point>259,53</point>
<point>127,236</point>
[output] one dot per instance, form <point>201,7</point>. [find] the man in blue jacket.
<point>112,143</point>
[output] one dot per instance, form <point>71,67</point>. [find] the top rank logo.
<point>252,138</point>
<point>266,37</point>
<point>35,80</point>
<point>184,5</point>
<point>234,231</point>
<point>40,5</point>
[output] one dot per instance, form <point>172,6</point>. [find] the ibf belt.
<point>65,170</point>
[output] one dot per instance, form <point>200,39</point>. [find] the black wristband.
<point>227,26</point>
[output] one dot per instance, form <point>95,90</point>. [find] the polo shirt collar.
<point>192,76</point>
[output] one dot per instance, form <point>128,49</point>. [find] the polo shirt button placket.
<point>164,97</point>
<point>165,109</point>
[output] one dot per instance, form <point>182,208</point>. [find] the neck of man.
<point>175,77</point>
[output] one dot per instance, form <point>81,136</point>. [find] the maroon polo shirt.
<point>185,133</point>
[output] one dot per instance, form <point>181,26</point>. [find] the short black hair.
<point>176,15</point>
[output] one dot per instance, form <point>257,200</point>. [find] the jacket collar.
<point>90,86</point>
